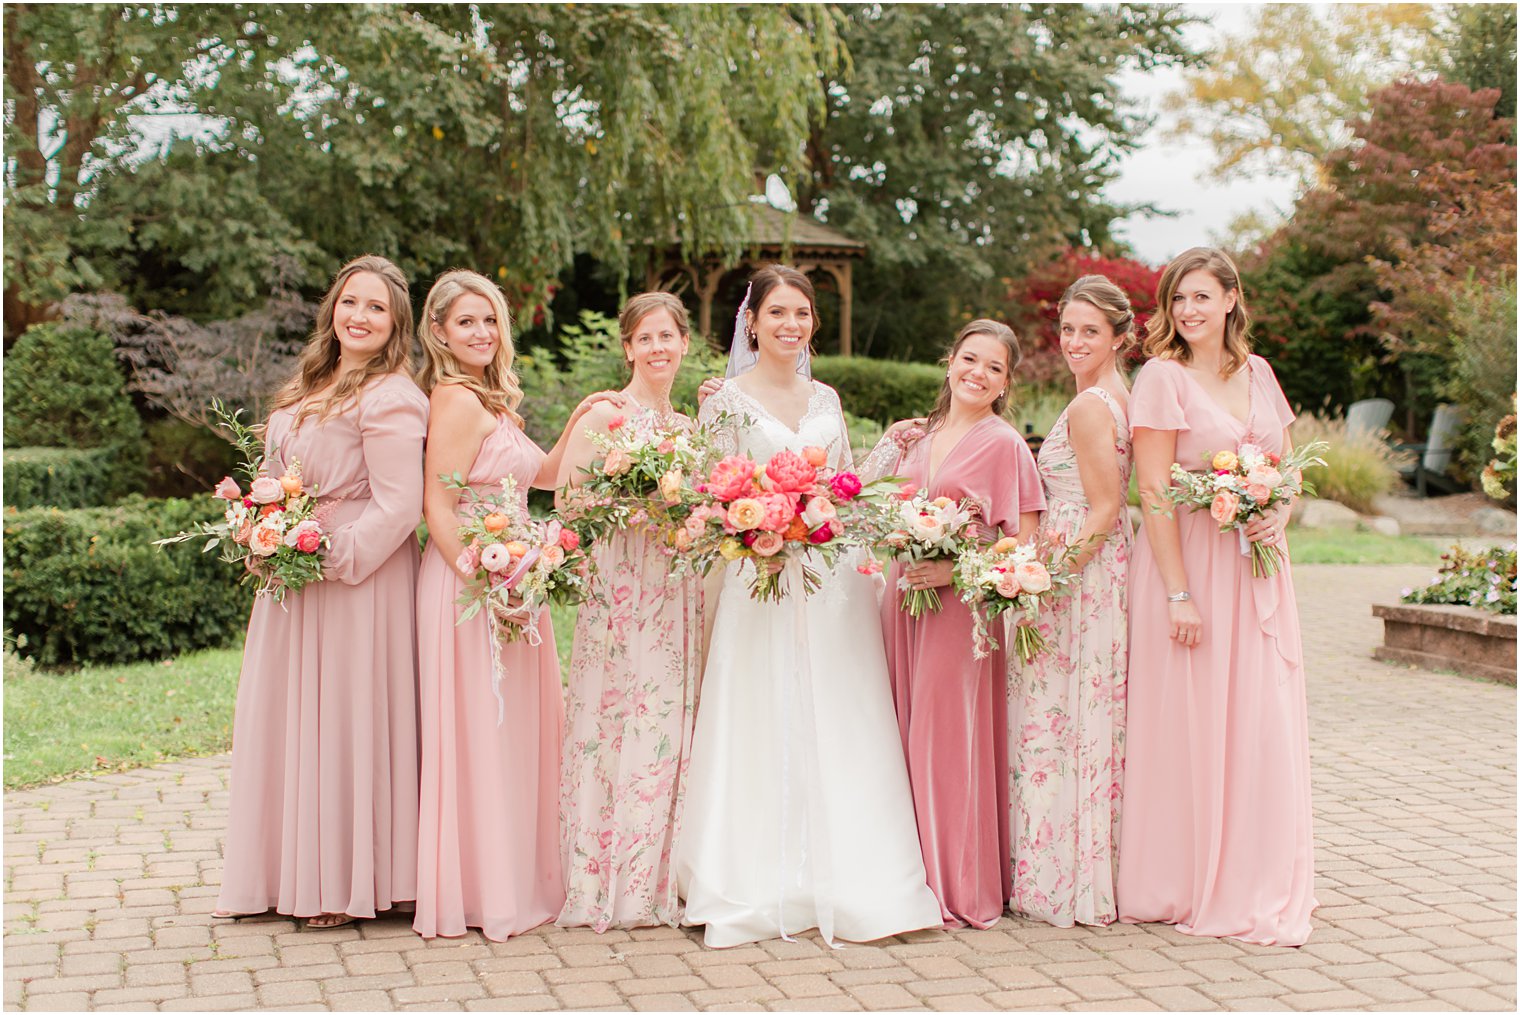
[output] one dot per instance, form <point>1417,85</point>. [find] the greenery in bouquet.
<point>275,529</point>
<point>1481,578</point>
<point>792,508</point>
<point>1012,576</point>
<point>1499,475</point>
<point>640,479</point>
<point>1242,485</point>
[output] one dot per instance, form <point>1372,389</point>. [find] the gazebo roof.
<point>771,230</point>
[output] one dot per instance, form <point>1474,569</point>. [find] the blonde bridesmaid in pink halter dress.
<point>1217,834</point>
<point>322,818</point>
<point>952,709</point>
<point>488,845</point>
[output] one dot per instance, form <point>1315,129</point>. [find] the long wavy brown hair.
<point>995,330</point>
<point>499,391</point>
<point>318,362</point>
<point>1161,338</point>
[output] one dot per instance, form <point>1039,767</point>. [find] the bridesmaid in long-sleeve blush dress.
<point>322,818</point>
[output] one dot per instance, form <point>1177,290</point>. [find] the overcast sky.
<point>1171,175</point>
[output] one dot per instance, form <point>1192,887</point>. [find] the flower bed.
<point>1441,637</point>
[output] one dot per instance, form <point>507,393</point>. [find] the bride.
<point>798,811</point>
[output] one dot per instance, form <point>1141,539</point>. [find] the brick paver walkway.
<point>109,882</point>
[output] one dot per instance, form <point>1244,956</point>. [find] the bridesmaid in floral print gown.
<point>1066,706</point>
<point>633,674</point>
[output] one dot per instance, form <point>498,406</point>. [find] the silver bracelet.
<point>1181,597</point>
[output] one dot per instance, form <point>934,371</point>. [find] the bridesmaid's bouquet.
<point>1012,576</point>
<point>640,478</point>
<point>274,529</point>
<point>1241,485</point>
<point>929,530</point>
<point>787,509</point>
<point>516,562</point>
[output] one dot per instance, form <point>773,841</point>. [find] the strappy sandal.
<point>330,921</point>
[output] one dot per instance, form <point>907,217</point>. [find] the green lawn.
<point>107,718</point>
<point>1324,546</point>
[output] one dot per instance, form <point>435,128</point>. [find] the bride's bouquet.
<point>791,508</point>
<point>1242,485</point>
<point>274,529</point>
<point>640,478</point>
<point>1012,576</point>
<point>516,562</point>
<point>936,529</point>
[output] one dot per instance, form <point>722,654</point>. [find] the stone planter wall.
<point>1457,638</point>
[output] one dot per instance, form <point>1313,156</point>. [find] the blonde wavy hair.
<point>499,391</point>
<point>318,362</point>
<point>1161,338</point>
<point>1100,293</point>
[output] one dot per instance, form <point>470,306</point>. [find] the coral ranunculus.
<point>746,513</point>
<point>494,522</point>
<point>816,456</point>
<point>789,472</point>
<point>731,478</point>
<point>1005,544</point>
<point>1224,461</point>
<point>569,539</point>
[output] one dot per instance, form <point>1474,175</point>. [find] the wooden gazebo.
<point>796,240</point>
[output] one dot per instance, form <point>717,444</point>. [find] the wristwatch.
<point>1181,597</point>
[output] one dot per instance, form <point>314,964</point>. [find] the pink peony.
<point>780,509</point>
<point>818,512</point>
<point>569,539</point>
<point>767,544</point>
<point>745,513</point>
<point>1225,507</point>
<point>495,558</point>
<point>1032,577</point>
<point>264,540</point>
<point>845,485</point>
<point>227,489</point>
<point>731,478</point>
<point>1264,475</point>
<point>789,472</point>
<point>1008,585</point>
<point>266,490</point>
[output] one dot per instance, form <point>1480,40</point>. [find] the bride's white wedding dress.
<point>798,811</point>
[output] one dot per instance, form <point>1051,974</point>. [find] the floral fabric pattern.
<point>1066,713</point>
<point>630,709</point>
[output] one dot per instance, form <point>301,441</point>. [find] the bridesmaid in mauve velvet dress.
<point>1217,834</point>
<point>952,709</point>
<point>322,818</point>
<point>488,845</point>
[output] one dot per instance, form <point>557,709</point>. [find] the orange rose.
<point>495,522</point>
<point>291,485</point>
<point>516,549</point>
<point>1004,545</point>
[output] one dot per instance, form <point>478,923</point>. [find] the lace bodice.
<point>762,435</point>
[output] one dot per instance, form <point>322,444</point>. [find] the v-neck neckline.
<point>929,471</point>
<point>795,431</point>
<point>1245,424</point>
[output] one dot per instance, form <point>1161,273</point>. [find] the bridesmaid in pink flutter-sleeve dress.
<point>1066,705</point>
<point>632,689</point>
<point>1217,834</point>
<point>488,843</point>
<point>322,819</point>
<point>952,708</point>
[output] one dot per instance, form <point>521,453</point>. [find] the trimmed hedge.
<point>89,586</point>
<point>62,477</point>
<point>883,390</point>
